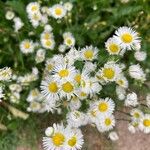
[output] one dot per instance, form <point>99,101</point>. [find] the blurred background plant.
<point>91,22</point>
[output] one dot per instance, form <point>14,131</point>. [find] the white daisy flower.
<point>68,6</point>
<point>113,46</point>
<point>34,106</point>
<point>48,28</point>
<point>110,71</point>
<point>15,87</point>
<point>113,136</point>
<point>144,124</point>
<point>105,123</point>
<point>46,35</point>
<point>69,39</point>
<point>74,139</point>
<point>75,103</point>
<point>58,11</point>
<point>82,95</point>
<point>136,72</point>
<point>5,74</point>
<point>131,99</point>
<point>64,72</point>
<point>18,24</point>
<point>105,106</point>
<point>33,7</point>
<point>33,95</point>
<point>121,92</point>
<point>89,66</point>
<point>49,131</point>
<point>127,38</point>
<point>140,55</point>
<point>48,44</point>
<point>76,119</point>
<point>27,46</point>
<point>89,53</point>
<point>9,15</point>
<point>67,89</point>
<point>136,114</point>
<point>122,81</point>
<point>62,48</point>
<point>50,89</point>
<point>35,18</point>
<point>56,140</point>
<point>40,55</point>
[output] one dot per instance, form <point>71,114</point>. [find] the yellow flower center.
<point>48,43</point>
<point>88,54</point>
<point>27,45</point>
<point>107,121</point>
<point>63,73</point>
<point>69,41</point>
<point>127,38</point>
<point>34,8</point>
<point>53,87</point>
<point>114,48</point>
<point>83,84</point>
<point>83,94</point>
<point>36,17</point>
<point>34,93</point>
<point>72,142</point>
<point>108,73</point>
<point>46,36</point>
<point>49,67</point>
<point>58,11</point>
<point>120,82</point>
<point>146,122</point>
<point>78,78</point>
<point>103,107</point>
<point>93,113</point>
<point>136,115</point>
<point>58,139</point>
<point>67,87</point>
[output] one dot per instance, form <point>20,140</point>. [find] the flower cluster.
<point>75,81</point>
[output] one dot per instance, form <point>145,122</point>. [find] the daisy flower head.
<point>48,44</point>
<point>57,11</point>
<point>144,124</point>
<point>140,55</point>
<point>64,72</point>
<point>69,39</point>
<point>40,55</point>
<point>35,19</point>
<point>56,140</point>
<point>67,89</point>
<point>75,103</point>
<point>74,139</point>
<point>131,99</point>
<point>9,15</point>
<point>105,107</point>
<point>92,114</point>
<point>113,46</point>
<point>33,95</point>
<point>5,74</point>
<point>46,35</point>
<point>68,6</point>
<point>136,114</point>
<point>50,88</point>
<point>18,24</point>
<point>27,46</point>
<point>136,72</point>
<point>127,37</point>
<point>76,119</point>
<point>110,71</point>
<point>33,7</point>
<point>105,123</point>
<point>113,136</point>
<point>89,53</point>
<point>122,81</point>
